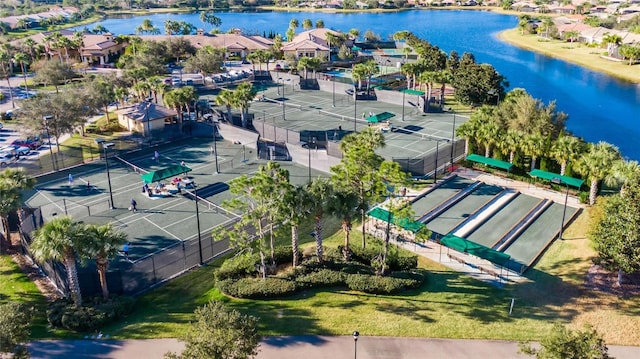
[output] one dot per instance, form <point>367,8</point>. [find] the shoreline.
<point>592,58</point>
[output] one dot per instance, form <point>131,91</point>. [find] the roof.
<point>473,248</point>
<point>165,173</point>
<point>235,41</point>
<point>383,116</point>
<point>404,223</point>
<point>490,162</point>
<point>556,177</point>
<point>412,92</point>
<point>141,110</point>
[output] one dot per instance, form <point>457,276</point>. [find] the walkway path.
<point>307,347</point>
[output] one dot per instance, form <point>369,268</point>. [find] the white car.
<point>22,150</point>
<point>6,158</point>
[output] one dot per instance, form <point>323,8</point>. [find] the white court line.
<point>49,199</point>
<point>162,229</point>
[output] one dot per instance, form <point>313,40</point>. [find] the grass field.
<point>577,53</point>
<point>15,286</point>
<point>450,305</point>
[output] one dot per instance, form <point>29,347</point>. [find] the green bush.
<point>284,255</point>
<point>93,315</point>
<point>401,263</point>
<point>242,265</point>
<point>258,288</point>
<point>379,285</point>
<point>322,278</point>
<point>419,276</point>
<point>91,128</point>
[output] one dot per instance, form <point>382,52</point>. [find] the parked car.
<point>10,114</point>
<point>7,158</point>
<point>21,151</point>
<point>31,143</point>
<point>1,126</point>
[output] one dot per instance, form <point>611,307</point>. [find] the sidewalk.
<point>308,347</point>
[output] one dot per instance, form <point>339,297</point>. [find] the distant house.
<point>35,19</point>
<point>237,44</point>
<point>310,43</point>
<point>100,49</point>
<point>145,117</point>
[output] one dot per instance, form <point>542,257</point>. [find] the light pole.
<point>435,170</point>
<point>195,190</point>
<point>215,146</point>
<point>355,108</point>
<point>453,134</point>
<point>333,103</point>
<point>558,180</point>
<point>105,147</point>
<point>311,142</point>
<point>282,98</point>
<point>403,94</point>
<point>46,127</point>
<point>355,344</point>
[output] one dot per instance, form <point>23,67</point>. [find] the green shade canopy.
<point>473,248</point>
<point>556,177</point>
<point>356,48</point>
<point>383,116</point>
<point>490,162</point>
<point>164,173</point>
<point>404,223</point>
<point>412,92</point>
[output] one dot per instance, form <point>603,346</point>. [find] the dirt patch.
<point>606,281</point>
<point>32,271</point>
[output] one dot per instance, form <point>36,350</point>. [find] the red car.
<point>29,142</point>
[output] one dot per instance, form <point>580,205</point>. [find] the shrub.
<point>242,265</point>
<point>91,128</point>
<point>284,255</point>
<point>419,276</point>
<point>93,315</point>
<point>258,288</point>
<point>378,285</point>
<point>322,278</point>
<point>403,263</point>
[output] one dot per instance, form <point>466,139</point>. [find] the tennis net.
<point>131,166</point>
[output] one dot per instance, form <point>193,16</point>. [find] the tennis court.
<point>418,135</point>
<point>160,222</point>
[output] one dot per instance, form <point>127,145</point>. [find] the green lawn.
<point>449,305</point>
<point>15,286</point>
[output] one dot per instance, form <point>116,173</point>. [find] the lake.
<point>600,107</point>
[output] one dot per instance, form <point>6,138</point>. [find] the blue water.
<point>600,107</point>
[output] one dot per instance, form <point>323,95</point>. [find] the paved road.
<point>308,347</point>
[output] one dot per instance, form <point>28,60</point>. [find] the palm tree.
<point>307,24</point>
<point>489,133</point>
<point>102,243</point>
<point>225,98</point>
<point>565,149</point>
<point>611,41</point>
<point>243,95</point>
<point>318,193</point>
<point>12,183</point>
<point>23,60</point>
<point>624,174</point>
<point>296,210</point>
<point>596,165</point>
<point>534,146</point>
<point>58,240</point>
<point>344,205</point>
<point>6,68</point>
<point>512,141</point>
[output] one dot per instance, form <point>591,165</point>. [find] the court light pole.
<point>46,127</point>
<point>355,344</point>
<point>453,135</point>
<point>355,108</point>
<point>333,98</point>
<point>105,147</point>
<point>282,98</point>
<point>195,190</point>
<point>312,142</point>
<point>215,146</point>
<point>559,181</point>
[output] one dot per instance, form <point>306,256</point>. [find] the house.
<point>310,43</point>
<point>35,19</point>
<point>145,117</point>
<point>100,49</point>
<point>237,44</point>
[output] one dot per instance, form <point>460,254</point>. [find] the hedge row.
<point>93,315</point>
<point>258,288</point>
